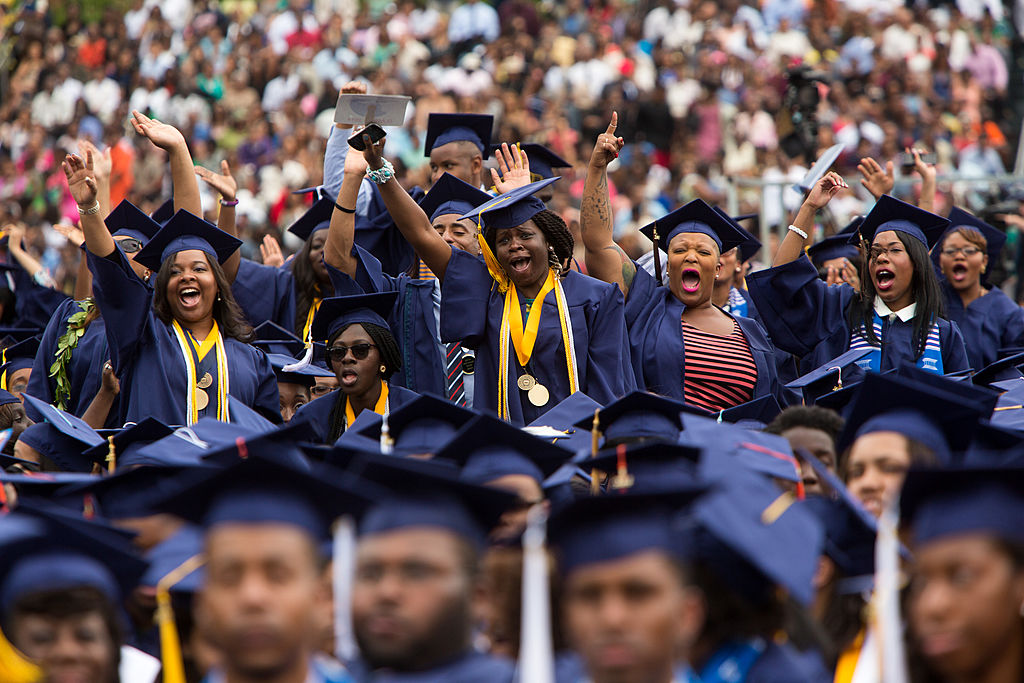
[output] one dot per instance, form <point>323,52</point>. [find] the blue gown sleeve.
<point>797,308</point>
<point>33,303</point>
<point>268,400</point>
<point>125,302</point>
<point>40,384</point>
<point>284,311</point>
<point>1013,324</point>
<point>954,353</point>
<point>609,372</point>
<point>465,293</point>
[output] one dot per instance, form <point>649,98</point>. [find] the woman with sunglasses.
<point>988,319</point>
<point>179,350</point>
<point>363,354</point>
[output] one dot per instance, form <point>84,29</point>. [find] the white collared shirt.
<point>906,314</point>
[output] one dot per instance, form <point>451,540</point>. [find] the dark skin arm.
<point>819,196</point>
<point>604,258</point>
<point>341,233</point>
<point>96,414</point>
<point>170,139</point>
<point>82,184</point>
<point>225,184</point>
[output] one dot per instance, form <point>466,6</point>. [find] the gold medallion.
<point>526,382</point>
<point>205,381</point>
<point>202,399</point>
<point>538,395</point>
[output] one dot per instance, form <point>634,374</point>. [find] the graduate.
<point>898,312</point>
<point>312,283</point>
<point>987,318</point>
<point>965,599</point>
<point>179,349</point>
<point>16,371</point>
<point>363,355</point>
<point>71,379</point>
<point>529,355</point>
<point>294,384</point>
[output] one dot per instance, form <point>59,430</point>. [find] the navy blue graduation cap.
<point>842,371</point>
<point>759,411</point>
<point>646,467</point>
<point>599,529</point>
<point>890,213</point>
<point>835,246</point>
<point>749,246</point>
<point>941,421</point>
<point>445,128</point>
<point>943,502</point>
<point>187,446</point>
<point>272,338</point>
<point>8,461</point>
<point>425,424</point>
<point>1008,368</point>
<point>50,486</point>
<point>164,212</point>
<point>259,489</point>
<point>7,397</point>
<point>449,195</point>
<point>511,209</point>
<point>767,455</point>
<point>170,554</point>
<point>994,446</point>
<point>129,220</point>
<point>819,169</point>
<point>637,416</point>
<point>696,216</point>
<point>756,538</point>
<point>749,249</point>
<point>297,374</point>
<point>542,160</point>
<point>424,493</point>
<point>53,552</point>
<point>137,491</point>
<point>63,437</point>
<point>338,312</point>
<point>984,400</point>
<point>487,448</point>
<point>317,217</point>
<point>12,335</point>
<point>183,232</point>
<point>128,441</point>
<point>564,415</point>
<point>19,356</point>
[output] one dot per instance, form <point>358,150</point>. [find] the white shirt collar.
<point>906,314</point>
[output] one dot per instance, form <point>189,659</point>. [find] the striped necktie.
<point>453,375</point>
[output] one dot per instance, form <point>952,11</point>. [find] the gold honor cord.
<point>192,399</point>
<point>170,645</point>
<point>382,407</point>
<point>307,329</point>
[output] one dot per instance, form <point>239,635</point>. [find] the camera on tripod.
<point>801,103</point>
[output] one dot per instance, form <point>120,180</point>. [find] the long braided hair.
<point>558,237</point>
<point>390,358</point>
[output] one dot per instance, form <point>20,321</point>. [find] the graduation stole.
<point>382,407</point>
<point>192,400</point>
<point>307,329</point>
<point>732,661</point>
<point>737,304</point>
<point>930,360</point>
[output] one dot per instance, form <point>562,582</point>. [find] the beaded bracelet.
<point>383,174</point>
<point>798,231</point>
<point>95,208</point>
<point>229,202</point>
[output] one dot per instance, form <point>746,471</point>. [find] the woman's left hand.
<point>223,182</point>
<point>514,167</point>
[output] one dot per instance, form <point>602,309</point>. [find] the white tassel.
<point>888,625</point>
<point>536,653</point>
<point>303,363</point>
<point>343,567</point>
<point>386,442</point>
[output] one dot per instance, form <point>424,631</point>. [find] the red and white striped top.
<point>718,372</point>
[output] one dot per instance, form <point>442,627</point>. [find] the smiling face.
<point>316,252</point>
<point>355,376</point>
<point>523,253</point>
<point>459,234</point>
<point>891,270</point>
<point>693,264</point>
<point>191,287</point>
<point>77,648</point>
<point>964,607</point>
<point>877,465</point>
<point>962,269</point>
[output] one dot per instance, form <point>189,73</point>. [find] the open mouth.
<point>884,279</point>
<point>959,272</point>
<point>691,280</point>
<point>519,264</point>
<point>189,297</point>
<point>348,377</point>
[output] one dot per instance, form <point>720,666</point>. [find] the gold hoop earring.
<point>383,369</point>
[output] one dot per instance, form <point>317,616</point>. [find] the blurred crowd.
<point>699,86</point>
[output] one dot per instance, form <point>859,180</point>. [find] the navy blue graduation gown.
<point>318,411</point>
<point>781,663</point>
<point>85,370</point>
<point>34,304</point>
<point>147,358</point>
<point>471,308</point>
<point>411,321</point>
<point>653,315</point>
<point>265,293</point>
<point>472,667</point>
<point>808,318</point>
<point>990,323</point>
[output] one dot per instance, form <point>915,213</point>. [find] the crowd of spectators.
<point>698,85</point>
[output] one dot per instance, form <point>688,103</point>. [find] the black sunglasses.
<point>129,245</point>
<point>336,354</point>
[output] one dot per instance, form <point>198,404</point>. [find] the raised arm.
<point>408,216</point>
<point>102,166</point>
<point>170,139</point>
<point>341,233</point>
<point>224,183</point>
<point>82,184</point>
<point>793,244</point>
<point>83,279</point>
<point>928,181</point>
<point>605,260</point>
<point>16,236</point>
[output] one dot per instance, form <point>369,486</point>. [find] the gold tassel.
<point>170,645</point>
<point>111,455</point>
<point>595,437</point>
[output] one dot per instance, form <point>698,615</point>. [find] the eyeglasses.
<point>129,245</point>
<point>877,252</point>
<point>321,389</point>
<point>969,250</point>
<point>336,354</point>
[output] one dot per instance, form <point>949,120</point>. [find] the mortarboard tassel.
<point>170,645</point>
<point>14,668</point>
<point>595,439</point>
<point>303,362</point>
<point>342,568</point>
<point>657,256</point>
<point>536,653</point>
<point>622,479</point>
<point>111,455</point>
<point>386,442</point>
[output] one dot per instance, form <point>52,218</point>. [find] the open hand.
<point>223,182</point>
<point>846,274</point>
<point>15,234</point>
<point>81,178</point>
<point>270,250</point>
<point>877,180</point>
<point>926,171</point>
<point>163,135</point>
<point>607,147</point>
<point>824,190</point>
<point>102,163</point>
<point>514,167</point>
<point>71,233</point>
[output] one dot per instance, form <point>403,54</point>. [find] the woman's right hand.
<point>824,190</point>
<point>355,163</point>
<point>81,179</point>
<point>374,153</point>
<point>608,146</point>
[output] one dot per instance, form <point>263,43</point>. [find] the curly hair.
<point>811,417</point>
<point>555,232</point>
<point>226,311</point>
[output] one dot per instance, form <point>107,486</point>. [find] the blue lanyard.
<point>732,661</point>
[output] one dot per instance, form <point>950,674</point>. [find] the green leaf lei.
<point>66,345</point>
